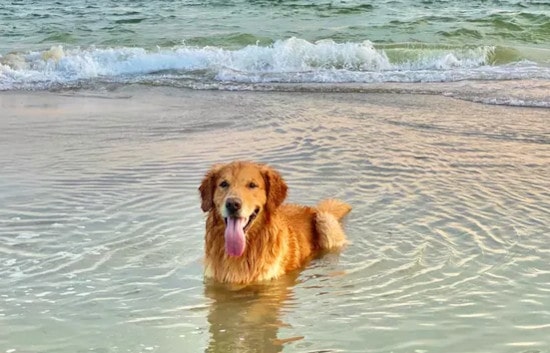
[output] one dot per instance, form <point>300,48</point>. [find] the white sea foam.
<point>292,60</point>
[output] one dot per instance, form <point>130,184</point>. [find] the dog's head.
<point>240,192</point>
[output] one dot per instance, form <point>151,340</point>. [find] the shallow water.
<point>101,231</point>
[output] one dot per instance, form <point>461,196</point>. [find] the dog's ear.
<point>208,185</point>
<point>275,188</point>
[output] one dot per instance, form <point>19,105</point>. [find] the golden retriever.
<point>251,235</point>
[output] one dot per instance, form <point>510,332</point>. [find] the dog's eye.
<point>252,185</point>
<point>224,184</point>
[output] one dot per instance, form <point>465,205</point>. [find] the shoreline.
<point>518,93</point>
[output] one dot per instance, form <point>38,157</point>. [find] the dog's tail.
<point>334,207</point>
<point>329,214</point>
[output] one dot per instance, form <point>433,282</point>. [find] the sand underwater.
<point>101,230</point>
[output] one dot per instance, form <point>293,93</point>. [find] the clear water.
<point>101,233</point>
<point>216,44</point>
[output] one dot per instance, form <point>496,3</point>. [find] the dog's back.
<point>311,229</point>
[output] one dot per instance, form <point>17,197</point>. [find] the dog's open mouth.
<point>248,221</point>
<point>235,230</point>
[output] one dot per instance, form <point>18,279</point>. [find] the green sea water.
<point>250,44</point>
<point>232,24</point>
<point>239,44</point>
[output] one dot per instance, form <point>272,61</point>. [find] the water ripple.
<point>448,236</point>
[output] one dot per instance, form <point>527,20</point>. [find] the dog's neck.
<point>257,261</point>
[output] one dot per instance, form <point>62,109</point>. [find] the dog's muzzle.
<point>233,206</point>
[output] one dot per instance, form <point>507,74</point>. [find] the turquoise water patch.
<point>160,23</point>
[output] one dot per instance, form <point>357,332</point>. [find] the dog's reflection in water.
<point>246,319</point>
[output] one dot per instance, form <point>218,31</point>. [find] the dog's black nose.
<point>233,205</point>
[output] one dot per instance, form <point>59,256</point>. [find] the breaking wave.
<point>291,60</point>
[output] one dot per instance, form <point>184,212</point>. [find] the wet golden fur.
<point>282,237</point>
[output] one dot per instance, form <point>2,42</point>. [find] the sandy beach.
<point>101,231</point>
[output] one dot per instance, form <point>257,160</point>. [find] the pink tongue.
<point>234,236</point>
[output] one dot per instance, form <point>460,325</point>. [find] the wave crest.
<point>289,60</point>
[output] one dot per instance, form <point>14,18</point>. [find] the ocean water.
<point>256,45</point>
<point>430,117</point>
